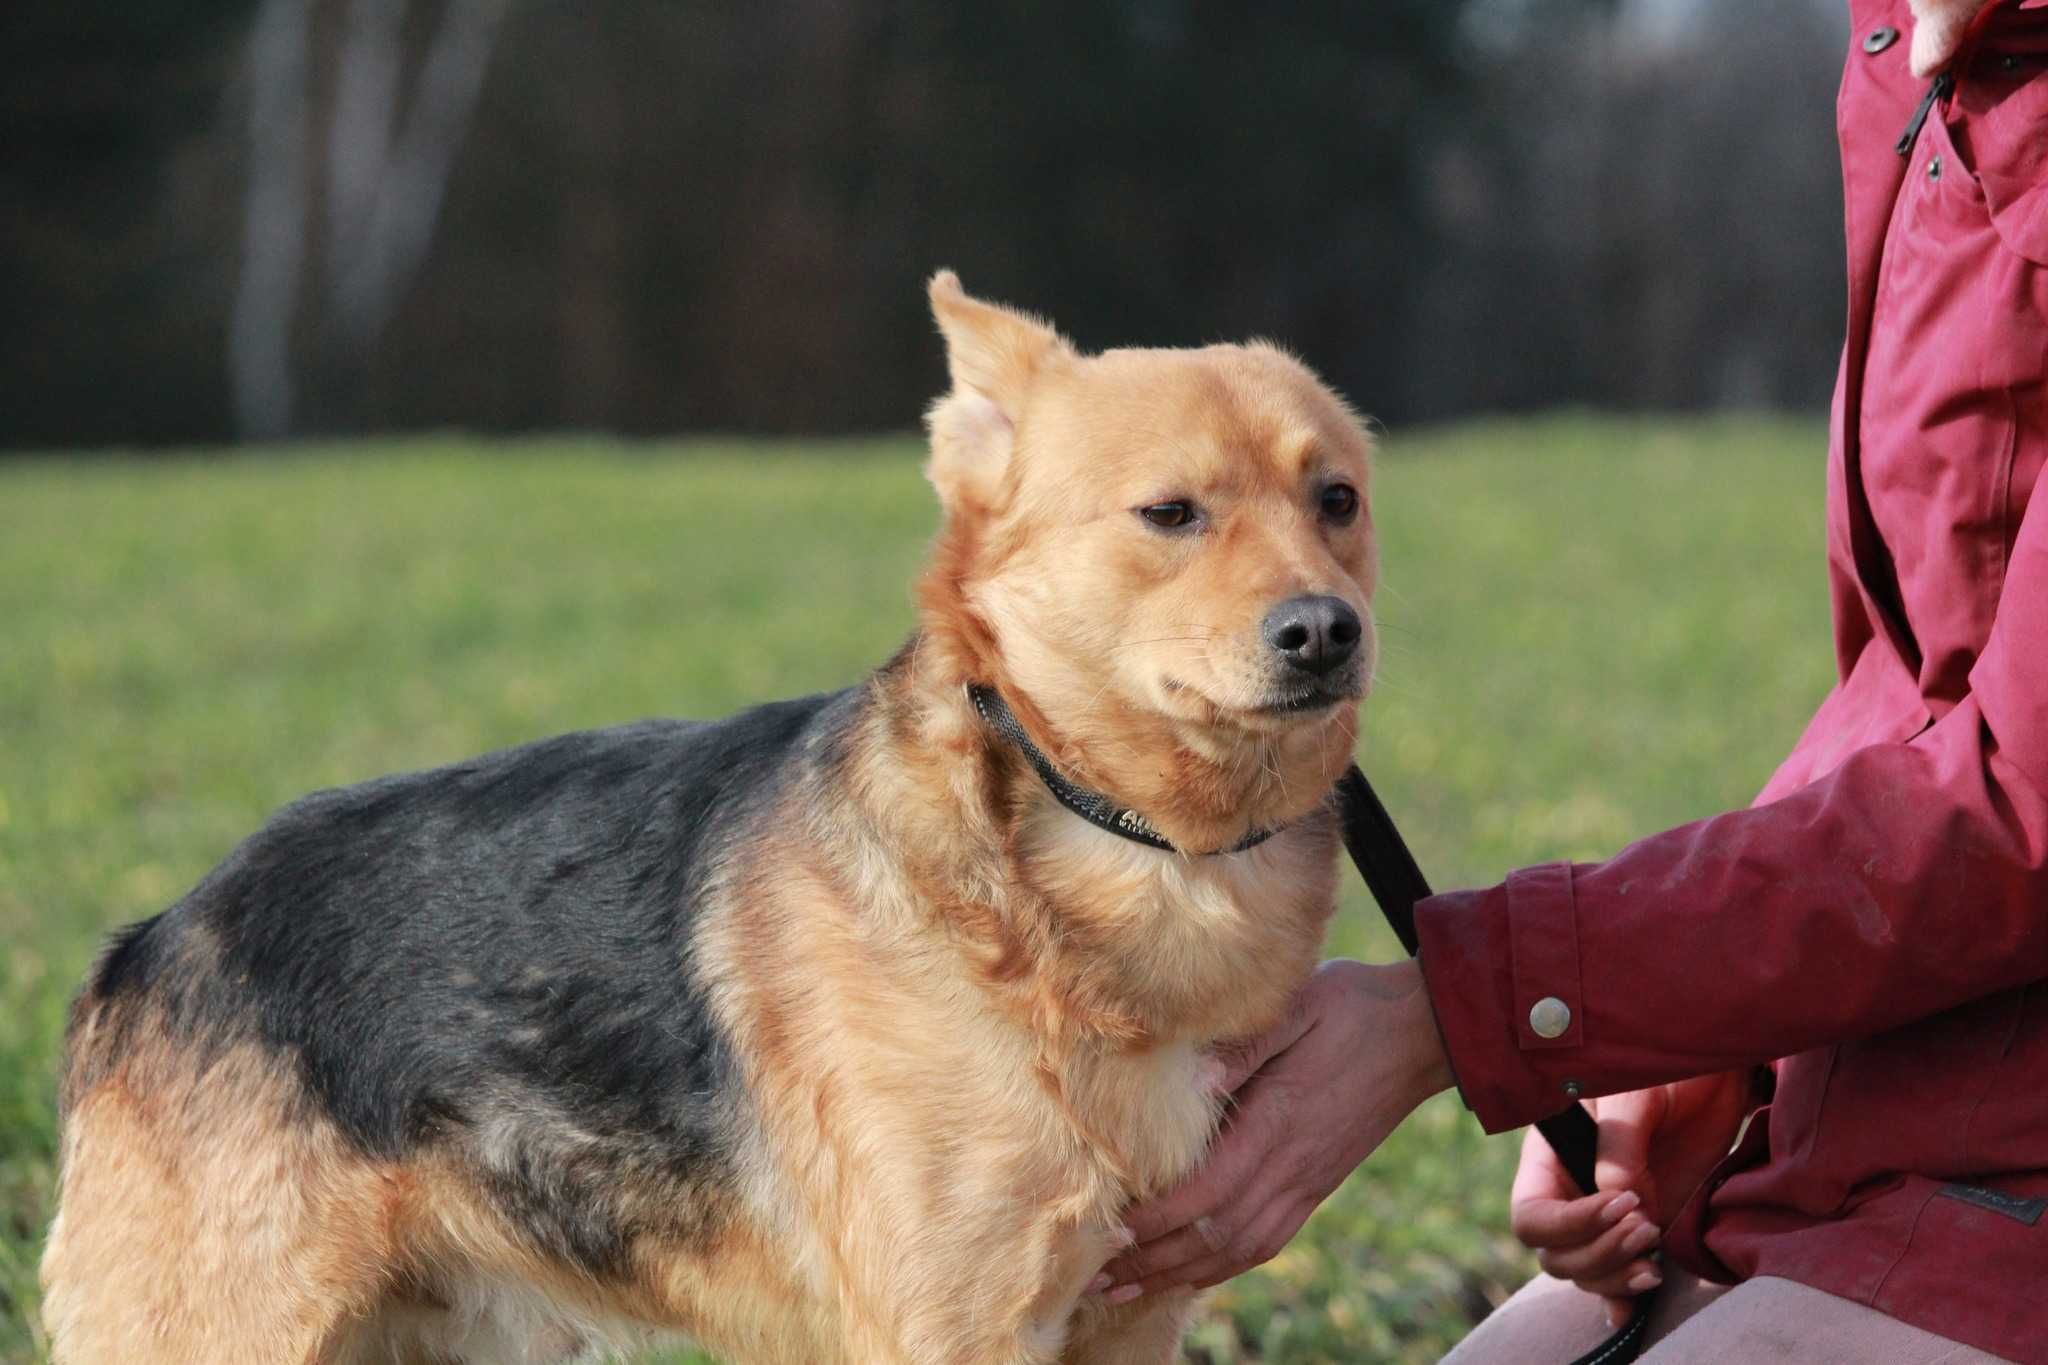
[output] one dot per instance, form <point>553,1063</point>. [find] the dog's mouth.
<point>1280,702</point>
<point>1304,701</point>
<point>1286,703</point>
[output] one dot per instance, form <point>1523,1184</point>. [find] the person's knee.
<point>1546,1319</point>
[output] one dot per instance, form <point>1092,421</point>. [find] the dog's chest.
<point>1171,1111</point>
<point>1205,948</point>
<point>1197,949</point>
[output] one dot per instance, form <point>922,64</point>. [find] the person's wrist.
<point>1426,1067</point>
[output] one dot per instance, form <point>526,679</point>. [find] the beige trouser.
<point>1765,1320</point>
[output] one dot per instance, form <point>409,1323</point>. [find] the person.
<point>1817,1028</point>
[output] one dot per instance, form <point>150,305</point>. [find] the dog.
<point>838,1031</point>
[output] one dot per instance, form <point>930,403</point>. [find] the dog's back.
<point>473,984</point>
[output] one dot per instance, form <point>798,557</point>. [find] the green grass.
<point>1593,629</point>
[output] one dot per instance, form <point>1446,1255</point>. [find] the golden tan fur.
<point>972,1028</point>
<point>229,1231</point>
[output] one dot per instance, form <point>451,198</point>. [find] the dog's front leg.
<point>948,1300</point>
<point>1147,1332</point>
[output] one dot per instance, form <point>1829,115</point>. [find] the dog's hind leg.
<point>204,1217</point>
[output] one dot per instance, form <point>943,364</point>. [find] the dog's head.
<point>1166,555</point>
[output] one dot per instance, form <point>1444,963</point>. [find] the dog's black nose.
<point>1314,634</point>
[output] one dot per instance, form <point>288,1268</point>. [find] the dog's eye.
<point>1171,515</point>
<point>1340,502</point>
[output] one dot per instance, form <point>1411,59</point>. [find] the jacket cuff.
<point>1502,969</point>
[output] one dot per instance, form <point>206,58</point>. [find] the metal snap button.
<point>1934,169</point>
<point>1878,39</point>
<point>1550,1017</point>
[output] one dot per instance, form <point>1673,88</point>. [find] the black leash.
<point>1397,883</point>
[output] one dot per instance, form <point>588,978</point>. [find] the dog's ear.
<point>993,353</point>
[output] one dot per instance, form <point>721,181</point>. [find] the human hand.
<point>1357,1051</point>
<point>1656,1146</point>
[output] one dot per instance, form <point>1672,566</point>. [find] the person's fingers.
<point>1605,1255</point>
<point>1204,1237</point>
<point>1269,1225</point>
<point>1627,1123</point>
<point>1631,1279</point>
<point>1541,1224</point>
<point>1313,1108</point>
<point>1210,1235</point>
<point>1266,1238</point>
<point>1540,1179</point>
<point>1238,1152</point>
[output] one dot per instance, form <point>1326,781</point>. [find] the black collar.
<point>1094,807</point>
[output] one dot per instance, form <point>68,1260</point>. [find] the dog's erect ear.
<point>990,350</point>
<point>993,354</point>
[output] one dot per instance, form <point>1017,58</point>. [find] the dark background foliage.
<point>665,215</point>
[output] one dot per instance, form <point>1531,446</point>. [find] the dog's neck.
<point>1094,807</point>
<point>1090,936</point>
<point>1200,788</point>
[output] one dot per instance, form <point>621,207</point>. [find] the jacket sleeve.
<point>1911,879</point>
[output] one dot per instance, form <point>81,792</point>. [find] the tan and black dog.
<point>838,1031</point>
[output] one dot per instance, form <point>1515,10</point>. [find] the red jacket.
<point>1877,923</point>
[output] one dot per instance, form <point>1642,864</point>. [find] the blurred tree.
<point>1645,211</point>
<point>389,151</point>
<point>1156,172</point>
<point>340,215</point>
<point>109,243</point>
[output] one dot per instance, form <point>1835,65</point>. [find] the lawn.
<point>1593,628</point>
